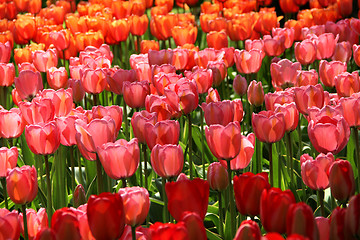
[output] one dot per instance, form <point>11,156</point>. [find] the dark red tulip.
<point>194,225</point>
<point>249,230</point>
<point>217,176</point>
<point>337,224</point>
<point>352,218</point>
<point>65,224</point>
<point>341,180</point>
<point>169,231</point>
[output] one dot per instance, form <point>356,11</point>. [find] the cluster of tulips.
<point>244,130</point>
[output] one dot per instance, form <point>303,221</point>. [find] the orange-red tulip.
<point>184,34</point>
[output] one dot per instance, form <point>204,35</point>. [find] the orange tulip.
<point>240,29</point>
<point>204,21</point>
<point>138,24</point>
<point>288,6</point>
<point>76,23</point>
<point>25,26</point>
<point>146,45</point>
<point>121,9</point>
<point>184,34</point>
<point>217,40</point>
<point>119,29</point>
<point>164,24</point>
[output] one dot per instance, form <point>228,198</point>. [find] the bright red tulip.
<point>248,61</point>
<point>8,159</point>
<point>300,220</point>
<point>167,231</point>
<point>305,52</point>
<point>224,141</point>
<point>352,217</point>
<point>248,188</point>
<point>120,159</point>
<point>43,138</point>
<point>341,180</point>
<point>167,160</point>
<point>11,123</point>
<point>22,185</point>
<point>106,216</point>
<point>268,126</point>
<point>28,84</point>
<point>248,230</point>
<point>223,112</point>
<point>347,83</point>
<point>187,195</point>
<point>44,60</point>
<point>135,93</point>
<point>274,205</point>
<point>283,73</point>
<point>57,77</point>
<point>329,70</point>
<point>138,121</point>
<point>7,74</point>
<point>337,224</point>
<point>329,134</point>
<point>255,93</point>
<point>163,132</point>
<point>217,176</point>
<point>309,96</point>
<point>136,204</point>
<point>65,224</point>
<point>36,221</point>
<point>9,224</point>
<point>315,173</point>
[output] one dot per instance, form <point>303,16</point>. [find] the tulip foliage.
<point>185,119</point>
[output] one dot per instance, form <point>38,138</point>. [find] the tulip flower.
<point>35,221</point>
<point>187,195</point>
<point>217,39</point>
<point>106,216</point>
<point>167,160</point>
<point>351,216</point>
<point>248,188</point>
<point>114,111</point>
<point>255,93</point>
<point>337,223</point>
<point>217,177</point>
<point>28,84</point>
<point>138,121</point>
<point>7,74</point>
<point>248,61</point>
<point>93,81</point>
<point>274,205</point>
<point>212,96</point>
<point>11,123</point>
<point>61,99</point>
<point>323,225</point>
<point>166,231</point>
<point>184,34</point>
<point>135,93</point>
<point>291,115</point>
<point>272,100</point>
<point>222,112</point>
<point>329,70</point>
<point>10,227</point>
<point>77,89</point>
<point>268,126</point>
<point>39,110</point>
<point>79,197</point>
<point>342,52</point>
<point>347,83</point>
<point>324,128</point>
<point>274,46</point>
<point>248,230</point>
<point>283,73</point>
<point>194,225</point>
<point>57,77</point>
<point>65,224</point>
<point>325,45</point>
<point>240,85</point>
<point>117,79</point>
<point>44,60</point>
<point>300,220</point>
<point>202,77</point>
<point>5,52</point>
<point>8,160</point>
<point>163,132</point>
<point>341,180</point>
<point>305,52</point>
<point>161,106</point>
<point>120,159</point>
<point>160,57</point>
<point>136,205</point>
<point>309,96</point>
<point>304,78</point>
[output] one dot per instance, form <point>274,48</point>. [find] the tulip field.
<point>179,120</point>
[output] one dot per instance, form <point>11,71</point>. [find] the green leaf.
<point>212,236</point>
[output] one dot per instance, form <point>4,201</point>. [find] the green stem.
<point>300,137</point>
<point>23,209</point>
<point>133,232</point>
<point>202,141</point>
<point>356,136</point>
<point>190,146</point>
<point>3,182</point>
<point>231,199</point>
<point>258,156</point>
<point>99,175</point>
<point>321,201</point>
<point>290,157</point>
<point>165,209</point>
<point>48,186</point>
<point>221,218</point>
<point>80,169</point>
<point>144,147</point>
<point>95,99</point>
<point>126,132</point>
<point>72,162</point>
<point>271,165</point>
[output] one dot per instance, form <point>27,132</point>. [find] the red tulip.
<point>329,70</point>
<point>36,221</point>
<point>57,77</point>
<point>248,230</point>
<point>7,74</point>
<point>337,224</point>
<point>115,112</point>
<point>138,121</point>
<point>119,159</point>
<point>341,180</point>
<point>79,196</point>
<point>324,128</point>
<point>300,220</point>
<point>217,177</point>
<point>248,61</point>
<point>268,126</point>
<point>45,234</point>
<point>323,225</point>
<point>346,84</point>
<point>309,96</point>
<point>194,225</point>
<point>8,159</point>
<point>248,188</point>
<point>22,185</point>
<point>135,93</point>
<point>356,54</point>
<point>28,84</point>
<point>106,216</point>
<point>255,93</point>
<point>65,224</point>
<point>224,141</point>
<point>163,132</point>
<point>39,110</point>
<point>305,51</point>
<point>11,123</point>
<point>9,224</point>
<point>44,60</point>
<point>315,173</point>
<point>352,217</point>
<point>136,204</point>
<point>167,160</point>
<point>43,138</point>
<point>274,236</point>
<point>283,73</point>
<point>187,195</point>
<point>222,112</point>
<point>274,205</point>
<point>168,231</point>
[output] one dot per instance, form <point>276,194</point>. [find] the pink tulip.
<point>61,99</point>
<point>255,93</point>
<point>115,112</point>
<point>283,73</point>
<point>39,110</point>
<point>57,77</point>
<point>11,123</point>
<point>248,61</point>
<point>305,52</point>
<point>43,138</point>
<point>163,132</point>
<point>167,160</point>
<point>222,112</point>
<point>309,96</point>
<point>8,159</point>
<point>347,83</point>
<point>342,52</point>
<point>5,52</point>
<point>9,224</point>
<point>7,74</point>
<point>329,70</point>
<point>28,84</point>
<point>36,221</point>
<point>44,60</point>
<point>268,126</point>
<point>135,93</point>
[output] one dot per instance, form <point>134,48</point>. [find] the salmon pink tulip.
<point>138,121</point>
<point>248,61</point>
<point>117,79</point>
<point>7,74</point>
<point>255,93</point>
<point>325,45</point>
<point>28,84</point>
<point>283,73</point>
<point>44,60</point>
<point>22,185</point>
<point>163,132</point>
<point>329,70</point>
<point>167,160</point>
<point>57,77</point>
<point>350,107</point>
<point>11,123</point>
<point>268,126</point>
<point>9,227</point>
<point>240,85</point>
<point>342,52</point>
<point>278,98</point>
<point>202,77</point>
<point>224,141</point>
<point>77,89</point>
<point>135,93</point>
<point>39,110</point>
<point>5,52</point>
<point>8,159</point>
<point>347,83</point>
<point>35,221</point>
<point>291,115</point>
<point>305,52</point>
<point>136,204</point>
<point>120,159</point>
<point>274,46</point>
<point>309,96</point>
<point>222,112</point>
<point>62,100</point>
<point>329,134</point>
<point>161,106</point>
<point>212,96</point>
<point>43,138</point>
<point>304,78</point>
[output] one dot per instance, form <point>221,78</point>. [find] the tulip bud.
<point>217,177</point>
<point>79,196</point>
<point>240,85</point>
<point>255,93</point>
<point>248,230</point>
<point>341,180</point>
